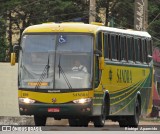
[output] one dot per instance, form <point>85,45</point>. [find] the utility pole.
<point>92,11</point>
<point>145,15</point>
<point>141,15</point>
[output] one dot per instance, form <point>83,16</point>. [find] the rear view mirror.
<point>16,48</point>
<point>98,52</point>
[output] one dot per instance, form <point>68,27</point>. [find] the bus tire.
<point>84,122</point>
<point>74,122</point>
<point>78,122</point>
<point>99,121</point>
<point>40,120</point>
<point>134,120</point>
<point>123,123</point>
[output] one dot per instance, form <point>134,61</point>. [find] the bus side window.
<point>137,49</point>
<point>107,46</point>
<point>118,46</point>
<point>134,51</point>
<point>123,47</point>
<point>149,48</point>
<point>144,51</point>
<point>141,50</point>
<point>99,41</point>
<point>113,47</point>
<point>130,48</point>
<point>126,49</point>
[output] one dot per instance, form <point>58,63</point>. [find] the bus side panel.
<point>124,83</point>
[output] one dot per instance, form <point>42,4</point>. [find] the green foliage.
<point>154,21</point>
<point>20,14</point>
<point>121,12</point>
<point>3,46</point>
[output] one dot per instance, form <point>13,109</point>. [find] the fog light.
<point>21,109</point>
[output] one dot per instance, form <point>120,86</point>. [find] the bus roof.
<point>125,31</point>
<point>79,28</point>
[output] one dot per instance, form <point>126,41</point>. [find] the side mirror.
<point>13,55</point>
<point>16,48</point>
<point>13,59</point>
<point>101,63</point>
<point>98,52</point>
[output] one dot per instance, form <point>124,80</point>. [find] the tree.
<point>119,13</point>
<point>3,44</point>
<point>154,21</point>
<point>16,15</point>
<point>29,12</point>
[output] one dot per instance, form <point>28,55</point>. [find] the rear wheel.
<point>134,120</point>
<point>40,120</point>
<point>123,123</point>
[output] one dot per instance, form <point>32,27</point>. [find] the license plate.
<point>53,110</point>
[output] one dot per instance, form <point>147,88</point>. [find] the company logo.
<point>54,100</point>
<point>6,128</point>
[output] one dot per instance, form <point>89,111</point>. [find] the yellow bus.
<point>112,81</point>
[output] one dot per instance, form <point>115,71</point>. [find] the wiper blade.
<point>44,73</point>
<point>63,74</point>
<point>48,65</point>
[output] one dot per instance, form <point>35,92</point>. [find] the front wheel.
<point>99,121</point>
<point>78,122</point>
<point>73,122</point>
<point>40,120</point>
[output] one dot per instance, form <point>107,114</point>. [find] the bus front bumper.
<point>56,110</point>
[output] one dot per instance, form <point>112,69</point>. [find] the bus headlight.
<point>82,101</point>
<point>26,100</point>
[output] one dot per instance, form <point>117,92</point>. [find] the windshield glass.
<point>56,61</point>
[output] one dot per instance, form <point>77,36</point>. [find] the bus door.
<point>97,70</point>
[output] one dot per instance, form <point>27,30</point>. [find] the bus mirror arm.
<point>16,48</point>
<point>13,54</point>
<point>98,53</point>
<point>101,58</point>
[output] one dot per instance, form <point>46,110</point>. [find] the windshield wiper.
<point>44,73</point>
<point>63,74</point>
<point>48,65</point>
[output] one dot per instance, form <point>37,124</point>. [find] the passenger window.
<point>99,41</point>
<point>113,46</point>
<point>130,48</point>
<point>107,46</point>
<point>122,48</point>
<point>145,53</point>
<point>141,50</point>
<point>137,49</point>
<point>149,48</point>
<point>118,47</point>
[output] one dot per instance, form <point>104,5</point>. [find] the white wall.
<point>8,90</point>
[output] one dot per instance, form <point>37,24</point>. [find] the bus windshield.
<point>56,61</point>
